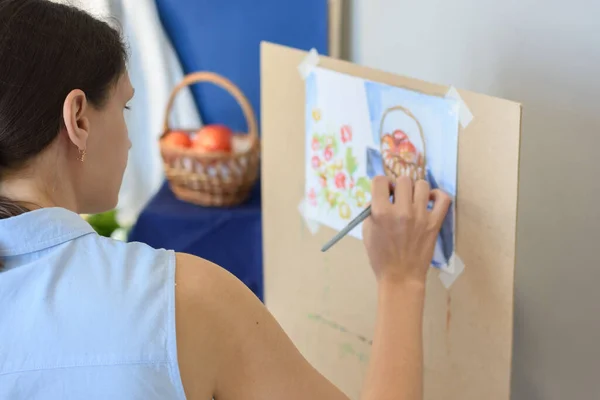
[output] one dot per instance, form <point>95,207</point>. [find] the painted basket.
<point>398,159</point>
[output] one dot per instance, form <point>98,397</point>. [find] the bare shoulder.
<point>205,290</point>
<point>210,304</point>
<point>231,347</point>
<point>196,283</point>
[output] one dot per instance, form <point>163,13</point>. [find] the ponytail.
<point>9,208</point>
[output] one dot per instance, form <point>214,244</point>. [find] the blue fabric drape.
<point>224,37</point>
<point>229,237</point>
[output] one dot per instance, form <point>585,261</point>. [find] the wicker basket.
<point>393,163</point>
<point>213,179</point>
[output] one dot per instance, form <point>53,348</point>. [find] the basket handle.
<point>407,112</point>
<point>224,83</point>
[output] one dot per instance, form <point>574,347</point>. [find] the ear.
<point>76,120</point>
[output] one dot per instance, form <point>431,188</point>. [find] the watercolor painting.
<point>335,166</point>
<point>358,129</point>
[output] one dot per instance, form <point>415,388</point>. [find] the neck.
<point>33,194</point>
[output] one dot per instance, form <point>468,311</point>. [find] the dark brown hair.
<point>46,51</point>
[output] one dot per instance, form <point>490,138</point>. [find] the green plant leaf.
<point>351,164</point>
<point>105,223</point>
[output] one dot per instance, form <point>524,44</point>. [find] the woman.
<point>85,317</point>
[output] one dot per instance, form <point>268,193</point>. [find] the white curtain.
<point>154,70</point>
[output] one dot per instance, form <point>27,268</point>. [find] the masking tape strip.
<point>448,278</point>
<point>309,63</point>
<point>464,114</point>
<point>312,225</point>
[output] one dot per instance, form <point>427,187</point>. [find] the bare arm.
<point>231,347</point>
<point>396,369</point>
<point>400,239</point>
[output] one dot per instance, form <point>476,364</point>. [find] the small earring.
<point>81,155</point>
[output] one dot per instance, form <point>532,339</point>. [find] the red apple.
<point>177,139</point>
<point>213,138</point>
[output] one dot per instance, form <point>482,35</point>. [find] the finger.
<point>441,205</point>
<point>380,194</point>
<point>422,194</point>
<point>366,227</point>
<point>403,193</point>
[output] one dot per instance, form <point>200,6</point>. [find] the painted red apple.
<point>177,139</point>
<point>214,138</point>
<point>399,136</point>
<point>387,143</point>
<point>407,151</point>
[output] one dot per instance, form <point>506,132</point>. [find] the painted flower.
<point>344,211</point>
<point>328,153</point>
<point>315,144</point>
<point>316,162</point>
<point>312,197</point>
<point>330,170</point>
<point>332,198</point>
<point>340,180</point>
<point>351,183</point>
<point>323,181</point>
<point>329,141</point>
<point>346,133</point>
<point>361,198</point>
<point>316,114</point>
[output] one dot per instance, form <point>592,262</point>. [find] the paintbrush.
<point>364,214</point>
<point>353,224</point>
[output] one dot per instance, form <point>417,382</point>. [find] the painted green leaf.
<point>333,199</point>
<point>322,141</point>
<point>334,145</point>
<point>351,164</point>
<point>330,172</point>
<point>322,197</point>
<point>364,183</point>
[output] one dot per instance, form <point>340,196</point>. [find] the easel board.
<point>326,302</point>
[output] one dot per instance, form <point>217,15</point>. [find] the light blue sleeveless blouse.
<point>82,316</point>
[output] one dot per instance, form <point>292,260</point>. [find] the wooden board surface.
<point>335,28</point>
<point>327,302</point>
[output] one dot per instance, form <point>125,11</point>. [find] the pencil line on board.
<point>338,327</point>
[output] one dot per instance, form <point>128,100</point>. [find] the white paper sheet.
<point>355,127</point>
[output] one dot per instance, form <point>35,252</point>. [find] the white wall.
<point>546,55</point>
